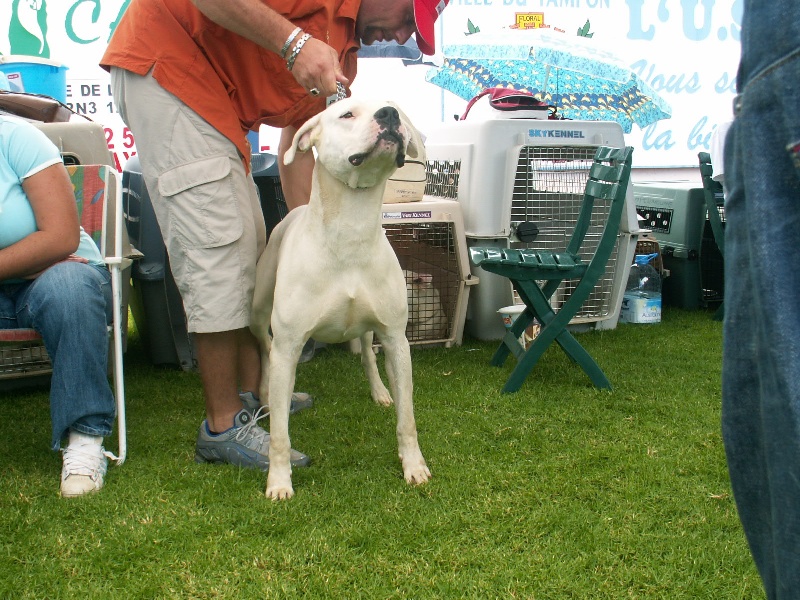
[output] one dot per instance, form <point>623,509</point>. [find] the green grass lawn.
<point>558,491</point>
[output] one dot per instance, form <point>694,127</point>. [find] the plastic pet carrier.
<point>428,238</point>
<point>264,168</point>
<point>520,184</point>
<point>675,213</point>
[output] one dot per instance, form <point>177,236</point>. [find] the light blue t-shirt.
<point>24,151</point>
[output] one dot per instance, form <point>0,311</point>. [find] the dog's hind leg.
<point>378,391</point>
<point>398,368</point>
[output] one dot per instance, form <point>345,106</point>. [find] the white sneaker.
<point>85,465</point>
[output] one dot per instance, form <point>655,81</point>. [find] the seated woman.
<point>52,279</point>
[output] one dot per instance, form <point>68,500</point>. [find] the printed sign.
<point>417,214</point>
<point>529,20</point>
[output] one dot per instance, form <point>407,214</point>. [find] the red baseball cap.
<point>425,14</point>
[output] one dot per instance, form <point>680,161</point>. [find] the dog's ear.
<point>416,142</point>
<point>302,140</point>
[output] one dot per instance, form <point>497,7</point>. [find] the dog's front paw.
<point>416,472</point>
<point>382,396</point>
<point>279,487</point>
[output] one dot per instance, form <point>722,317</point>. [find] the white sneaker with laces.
<point>85,464</point>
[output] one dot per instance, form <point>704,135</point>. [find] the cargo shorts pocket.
<point>203,206</point>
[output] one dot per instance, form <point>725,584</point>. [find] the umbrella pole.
<point>546,78</point>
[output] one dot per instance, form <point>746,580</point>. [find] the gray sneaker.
<point>300,401</point>
<point>244,445</point>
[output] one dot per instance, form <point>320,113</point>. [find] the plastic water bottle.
<point>641,302</point>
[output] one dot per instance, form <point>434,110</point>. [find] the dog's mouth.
<point>388,135</point>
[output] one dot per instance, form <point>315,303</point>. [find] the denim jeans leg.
<point>70,305</point>
<point>8,311</point>
<point>761,388</point>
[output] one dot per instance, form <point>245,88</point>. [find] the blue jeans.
<point>761,356</point>
<point>70,305</point>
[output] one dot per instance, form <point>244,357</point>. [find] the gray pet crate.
<point>676,214</point>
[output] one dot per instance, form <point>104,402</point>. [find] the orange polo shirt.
<point>231,82</point>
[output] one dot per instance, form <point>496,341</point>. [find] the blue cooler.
<point>35,75</point>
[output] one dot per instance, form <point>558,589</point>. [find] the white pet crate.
<point>428,238</point>
<point>520,184</point>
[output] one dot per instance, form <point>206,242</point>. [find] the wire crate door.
<point>546,199</point>
<point>430,244</point>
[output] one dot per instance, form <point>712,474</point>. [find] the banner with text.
<point>686,50</point>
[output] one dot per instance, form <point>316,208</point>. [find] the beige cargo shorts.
<point>206,205</point>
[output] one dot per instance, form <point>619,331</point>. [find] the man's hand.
<point>317,66</point>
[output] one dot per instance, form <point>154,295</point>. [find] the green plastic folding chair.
<point>713,192</point>
<point>526,268</point>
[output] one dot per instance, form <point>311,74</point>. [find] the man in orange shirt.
<point>190,79</point>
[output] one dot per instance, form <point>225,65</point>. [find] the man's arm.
<point>295,177</point>
<point>317,65</point>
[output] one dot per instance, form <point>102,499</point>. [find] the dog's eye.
<point>347,115</point>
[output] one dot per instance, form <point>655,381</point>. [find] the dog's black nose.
<point>387,117</point>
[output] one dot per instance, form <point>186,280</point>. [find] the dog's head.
<point>359,142</point>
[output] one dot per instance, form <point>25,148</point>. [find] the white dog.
<point>330,273</point>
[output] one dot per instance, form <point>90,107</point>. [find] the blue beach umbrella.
<point>584,81</point>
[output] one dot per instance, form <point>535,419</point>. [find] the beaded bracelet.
<point>296,50</point>
<point>289,41</point>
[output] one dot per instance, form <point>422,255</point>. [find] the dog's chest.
<point>359,296</point>
<point>350,311</point>
<point>343,301</point>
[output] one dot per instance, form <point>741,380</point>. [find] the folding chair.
<point>605,189</point>
<point>714,200</point>
<point>98,194</point>
<point>22,357</point>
